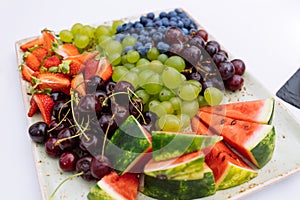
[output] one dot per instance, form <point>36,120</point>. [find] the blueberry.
<point>148,46</point>
<point>152,31</point>
<point>143,20</point>
<point>182,15</point>
<point>173,19</point>
<point>144,32</point>
<point>128,48</point>
<point>163,14</point>
<point>137,44</point>
<point>177,11</point>
<point>172,14</point>
<point>142,50</point>
<point>172,23</point>
<point>138,25</point>
<point>119,29</point>
<point>165,21</point>
<point>135,35</point>
<point>150,15</point>
<point>180,24</point>
<point>185,31</point>
<point>186,22</point>
<point>158,23</point>
<point>157,36</point>
<point>163,47</point>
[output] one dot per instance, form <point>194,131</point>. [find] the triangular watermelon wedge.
<point>113,186</point>
<point>260,111</point>
<point>254,141</point>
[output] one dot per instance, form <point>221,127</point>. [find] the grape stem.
<point>105,136</point>
<point>112,95</point>
<point>140,113</point>
<point>69,178</point>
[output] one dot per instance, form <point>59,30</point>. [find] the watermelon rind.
<point>96,193</point>
<point>129,145</point>
<point>167,145</point>
<point>264,150</point>
<point>187,167</point>
<point>234,176</point>
<point>180,189</point>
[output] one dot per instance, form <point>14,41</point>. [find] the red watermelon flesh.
<point>252,140</point>
<point>260,111</point>
<point>124,187</point>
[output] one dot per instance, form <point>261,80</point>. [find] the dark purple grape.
<point>110,87</point>
<point>218,58</point>
<point>105,121</point>
<point>174,35</point>
<point>214,43</point>
<point>38,132</point>
<point>192,54</point>
<point>149,117</point>
<point>234,83</point>
<point>51,148</point>
<point>59,96</point>
<point>121,87</point>
<point>84,165</point>
<point>176,49</point>
<point>60,109</point>
<point>195,76</point>
<point>239,66</point>
<point>100,166</point>
<point>202,33</point>
<point>121,113</point>
<point>211,49</point>
<point>89,104</point>
<point>101,97</point>
<point>68,143</point>
<point>197,41</point>
<point>94,83</point>
<point>223,52</point>
<point>226,70</point>
<point>135,108</point>
<point>55,127</point>
<point>67,161</point>
<point>93,143</point>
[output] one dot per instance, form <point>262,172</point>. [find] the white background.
<point>265,34</point>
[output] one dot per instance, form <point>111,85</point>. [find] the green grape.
<point>158,110</point>
<point>185,121</point>
<point>102,30</point>
<point>142,62</point>
<point>128,41</point>
<point>188,91</point>
<point>132,56</point>
<point>115,24</point>
<point>162,58</point>
<point>189,107</point>
<point>81,41</point>
<point>153,53</point>
<point>176,62</point>
<point>201,101</point>
<point>131,78</point>
<point>176,103</point>
<point>144,95</point>
<point>135,70</point>
<point>129,66</point>
<point>124,59</point>
<point>153,84</point>
<point>144,75</point>
<point>169,123</point>
<point>76,28</point>
<point>165,94</point>
<point>114,58</point>
<point>156,66</point>
<point>104,40</point>
<point>88,31</point>
<point>119,72</point>
<point>113,47</point>
<point>66,36</point>
<point>183,78</point>
<point>171,78</point>
<point>168,107</point>
<point>153,103</point>
<point>213,96</point>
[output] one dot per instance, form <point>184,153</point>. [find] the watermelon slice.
<point>187,166</point>
<point>229,169</point>
<point>166,145</point>
<point>113,186</point>
<point>130,147</point>
<point>254,141</point>
<point>260,111</point>
<point>162,188</point>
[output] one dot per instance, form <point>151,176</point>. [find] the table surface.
<point>265,34</point>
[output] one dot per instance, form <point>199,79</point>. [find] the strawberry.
<point>75,67</point>
<point>27,73</point>
<point>45,104</point>
<point>91,66</point>
<point>33,108</point>
<point>78,84</point>
<point>48,39</point>
<point>40,53</point>
<point>32,61</point>
<point>104,69</point>
<point>57,82</point>
<point>67,50</point>
<point>52,61</point>
<point>32,43</point>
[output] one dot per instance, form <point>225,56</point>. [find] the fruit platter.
<point>150,107</point>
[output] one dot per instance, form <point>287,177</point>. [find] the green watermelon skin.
<point>96,193</point>
<point>129,148</point>
<point>179,189</point>
<point>167,145</point>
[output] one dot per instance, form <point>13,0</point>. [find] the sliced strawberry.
<point>48,39</point>
<point>104,69</point>
<point>52,61</point>
<point>32,43</point>
<point>57,82</point>
<point>45,105</point>
<point>78,84</point>
<point>27,73</point>
<point>33,108</point>
<point>67,50</point>
<point>75,67</point>
<point>40,53</point>
<point>32,61</point>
